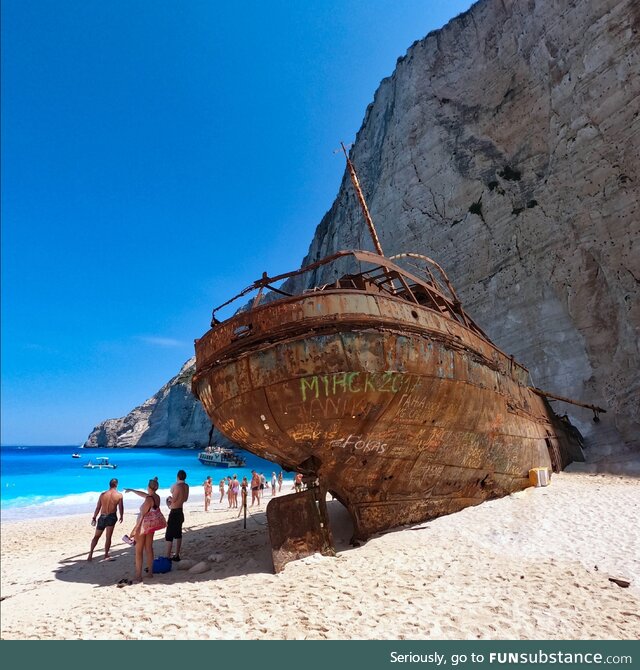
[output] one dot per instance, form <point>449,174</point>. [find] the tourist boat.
<point>101,464</point>
<point>75,456</point>
<point>221,458</point>
<point>365,374</point>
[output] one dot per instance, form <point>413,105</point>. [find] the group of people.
<point>110,510</point>
<point>233,490</point>
<point>234,486</point>
<point>150,519</point>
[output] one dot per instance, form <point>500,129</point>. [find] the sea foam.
<point>30,507</point>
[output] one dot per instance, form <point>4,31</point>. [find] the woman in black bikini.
<point>144,536</point>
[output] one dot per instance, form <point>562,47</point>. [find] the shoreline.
<point>65,506</point>
<point>533,565</point>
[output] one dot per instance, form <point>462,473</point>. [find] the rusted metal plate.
<point>298,527</point>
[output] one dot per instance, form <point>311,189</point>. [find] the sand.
<point>533,565</point>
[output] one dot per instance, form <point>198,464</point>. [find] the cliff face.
<point>506,146</point>
<point>171,418</point>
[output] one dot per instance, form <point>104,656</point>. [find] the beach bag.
<point>162,564</point>
<point>153,520</point>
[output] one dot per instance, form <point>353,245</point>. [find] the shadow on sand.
<point>239,551</point>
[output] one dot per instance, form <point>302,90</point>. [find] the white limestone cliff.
<point>170,418</point>
<point>507,147</point>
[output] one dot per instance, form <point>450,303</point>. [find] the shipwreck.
<point>380,389</point>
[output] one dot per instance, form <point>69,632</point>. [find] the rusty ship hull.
<point>386,392</point>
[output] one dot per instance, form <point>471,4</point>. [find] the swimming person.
<point>108,502</point>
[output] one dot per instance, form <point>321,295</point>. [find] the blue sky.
<point>156,158</point>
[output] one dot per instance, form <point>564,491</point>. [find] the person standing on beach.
<point>208,491</point>
<point>244,485</point>
<point>274,481</point>
<point>221,487</point>
<point>297,482</point>
<point>229,492</point>
<point>179,495</point>
<point>280,482</point>
<point>235,485</point>
<point>255,487</point>
<point>149,520</point>
<point>108,502</point>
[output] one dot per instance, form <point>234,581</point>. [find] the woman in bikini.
<point>221,489</point>
<point>229,492</point>
<point>143,536</point>
<point>236,490</point>
<point>208,490</point>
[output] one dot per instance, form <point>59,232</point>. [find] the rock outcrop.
<point>506,146</point>
<point>171,418</point>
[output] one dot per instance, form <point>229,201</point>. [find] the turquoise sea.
<point>46,481</point>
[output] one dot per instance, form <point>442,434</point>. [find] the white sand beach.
<point>533,565</point>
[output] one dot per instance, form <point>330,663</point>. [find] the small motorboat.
<point>75,456</point>
<point>102,463</point>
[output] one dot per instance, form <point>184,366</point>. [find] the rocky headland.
<point>170,418</point>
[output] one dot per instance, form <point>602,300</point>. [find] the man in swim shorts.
<point>255,487</point>
<point>108,502</point>
<point>179,496</point>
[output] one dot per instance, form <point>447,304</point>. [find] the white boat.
<point>75,455</point>
<point>221,458</point>
<point>102,463</point>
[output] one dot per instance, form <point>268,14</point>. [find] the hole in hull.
<point>341,524</point>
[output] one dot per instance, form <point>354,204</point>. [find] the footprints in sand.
<point>490,573</point>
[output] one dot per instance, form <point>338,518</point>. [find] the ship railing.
<point>424,283</point>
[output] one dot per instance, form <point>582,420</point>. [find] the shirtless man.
<point>108,502</point>
<point>255,487</point>
<point>208,490</point>
<point>179,496</point>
